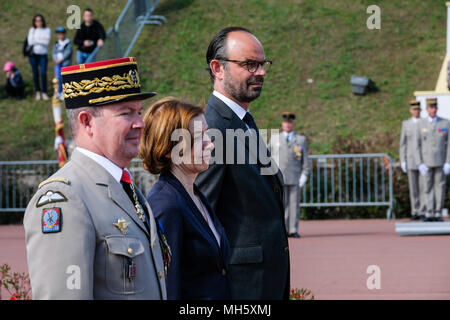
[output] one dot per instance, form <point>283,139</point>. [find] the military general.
<point>409,157</point>
<point>291,151</point>
<point>90,234</point>
<point>434,159</point>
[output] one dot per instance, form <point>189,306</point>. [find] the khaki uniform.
<point>292,158</point>
<point>434,151</point>
<point>75,251</point>
<point>409,153</point>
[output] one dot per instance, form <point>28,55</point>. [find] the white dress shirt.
<point>237,109</point>
<point>290,134</point>
<point>433,120</point>
<point>109,166</point>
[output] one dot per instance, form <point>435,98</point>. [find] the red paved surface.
<point>331,259</point>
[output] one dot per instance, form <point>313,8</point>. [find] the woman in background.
<point>39,38</point>
<point>200,249</point>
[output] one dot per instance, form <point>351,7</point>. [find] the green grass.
<point>325,40</point>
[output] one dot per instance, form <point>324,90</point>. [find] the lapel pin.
<point>122,225</point>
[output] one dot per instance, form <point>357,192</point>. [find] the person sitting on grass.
<point>14,87</point>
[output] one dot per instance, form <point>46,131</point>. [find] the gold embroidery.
<point>84,87</point>
<point>109,98</point>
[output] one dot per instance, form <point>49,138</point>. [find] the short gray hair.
<point>72,115</point>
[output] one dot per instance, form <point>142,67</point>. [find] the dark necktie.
<point>248,119</point>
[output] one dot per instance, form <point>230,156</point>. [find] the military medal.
<point>165,248</point>
<point>131,270</point>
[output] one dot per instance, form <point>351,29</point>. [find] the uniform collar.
<point>240,112</point>
<point>107,164</point>
<point>415,120</point>
<point>290,134</point>
<point>432,119</point>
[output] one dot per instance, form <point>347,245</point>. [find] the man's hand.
<point>423,169</point>
<point>404,168</point>
<point>302,181</point>
<point>100,42</point>
<point>446,168</point>
<point>87,43</point>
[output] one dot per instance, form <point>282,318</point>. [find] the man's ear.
<point>217,69</point>
<point>85,120</point>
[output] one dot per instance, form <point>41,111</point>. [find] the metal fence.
<point>335,180</point>
<point>19,181</point>
<point>338,180</point>
<point>121,38</point>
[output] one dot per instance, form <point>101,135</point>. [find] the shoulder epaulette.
<point>54,179</point>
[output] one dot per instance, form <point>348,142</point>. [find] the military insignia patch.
<point>442,131</point>
<point>51,220</point>
<point>49,197</point>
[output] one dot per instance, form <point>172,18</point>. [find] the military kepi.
<point>414,104</point>
<point>289,116</point>
<point>431,102</point>
<point>102,82</point>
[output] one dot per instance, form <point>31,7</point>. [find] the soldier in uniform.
<point>291,151</point>
<point>410,160</point>
<point>90,234</point>
<point>434,159</point>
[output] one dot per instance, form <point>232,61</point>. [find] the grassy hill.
<point>323,40</point>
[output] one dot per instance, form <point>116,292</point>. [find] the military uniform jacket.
<point>292,156</point>
<point>87,257</point>
<point>433,142</point>
<point>409,151</point>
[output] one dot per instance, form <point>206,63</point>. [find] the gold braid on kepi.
<point>102,82</point>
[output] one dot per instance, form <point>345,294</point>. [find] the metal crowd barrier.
<point>334,180</point>
<point>121,38</point>
<point>19,181</point>
<point>338,180</point>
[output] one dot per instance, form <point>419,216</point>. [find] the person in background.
<point>292,153</point>
<point>200,250</point>
<point>62,56</point>
<point>90,35</point>
<point>409,158</point>
<point>434,159</point>
<point>14,86</point>
<point>39,38</point>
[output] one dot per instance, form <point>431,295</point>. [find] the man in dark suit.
<point>247,200</point>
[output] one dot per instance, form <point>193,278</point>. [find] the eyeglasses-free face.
<point>252,65</point>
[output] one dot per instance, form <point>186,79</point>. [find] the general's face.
<point>432,110</point>
<point>117,132</point>
<point>287,126</point>
<point>201,145</point>
<point>239,83</point>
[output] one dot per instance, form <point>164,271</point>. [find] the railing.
<point>121,38</point>
<point>338,180</point>
<point>334,180</point>
<point>19,181</point>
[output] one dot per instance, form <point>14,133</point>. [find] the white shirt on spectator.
<point>39,38</point>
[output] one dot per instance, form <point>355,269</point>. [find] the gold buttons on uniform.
<point>130,251</point>
<point>160,275</point>
<point>286,249</point>
<point>154,245</point>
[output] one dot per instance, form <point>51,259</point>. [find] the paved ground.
<point>332,258</point>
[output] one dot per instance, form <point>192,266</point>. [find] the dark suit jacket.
<point>250,207</point>
<point>199,267</point>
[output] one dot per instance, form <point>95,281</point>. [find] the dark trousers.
<point>39,67</point>
<point>16,92</point>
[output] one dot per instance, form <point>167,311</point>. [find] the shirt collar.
<point>415,120</point>
<point>237,109</point>
<point>107,164</point>
<point>432,119</point>
<point>290,134</point>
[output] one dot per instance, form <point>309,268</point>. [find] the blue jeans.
<point>82,57</point>
<point>58,76</point>
<point>39,67</point>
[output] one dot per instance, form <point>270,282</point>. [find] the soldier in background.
<point>409,158</point>
<point>434,156</point>
<point>291,151</point>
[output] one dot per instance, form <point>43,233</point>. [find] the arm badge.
<point>49,197</point>
<point>51,220</point>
